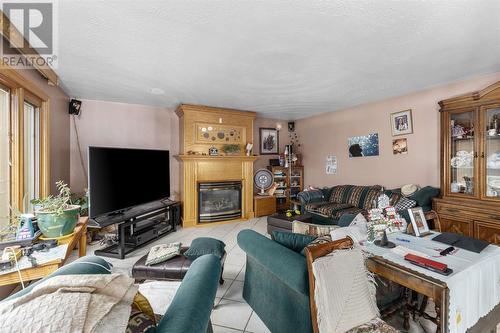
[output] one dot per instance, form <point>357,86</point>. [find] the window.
<point>24,159</point>
<point>31,162</point>
<point>4,156</point>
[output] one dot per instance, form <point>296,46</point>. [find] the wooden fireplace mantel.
<point>203,168</point>
<point>201,128</point>
<point>215,158</point>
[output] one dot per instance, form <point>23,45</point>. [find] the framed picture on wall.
<point>269,141</point>
<point>366,145</point>
<point>401,123</point>
<point>399,146</point>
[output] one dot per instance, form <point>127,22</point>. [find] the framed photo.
<point>366,145</point>
<point>400,146</point>
<point>269,141</point>
<point>418,221</point>
<point>401,123</point>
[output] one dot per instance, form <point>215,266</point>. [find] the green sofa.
<point>340,204</point>
<point>192,305</point>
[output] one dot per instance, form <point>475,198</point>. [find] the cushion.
<point>424,196</point>
<point>311,229</point>
<point>409,189</point>
<point>394,197</point>
<point>162,252</point>
<point>330,208</point>
<point>340,193</point>
<point>317,241</point>
<point>295,242</point>
<point>327,191</point>
<point>142,318</point>
<point>311,196</point>
<point>350,210</point>
<point>357,230</point>
<point>346,219</point>
<point>358,195</point>
<point>315,206</point>
<point>370,199</point>
<point>405,203</point>
<point>205,245</point>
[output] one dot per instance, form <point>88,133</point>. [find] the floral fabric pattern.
<point>376,325</point>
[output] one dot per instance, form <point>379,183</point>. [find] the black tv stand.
<point>139,226</point>
<point>118,212</point>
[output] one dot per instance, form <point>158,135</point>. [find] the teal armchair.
<point>276,284</point>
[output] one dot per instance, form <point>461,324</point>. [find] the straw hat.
<point>409,189</point>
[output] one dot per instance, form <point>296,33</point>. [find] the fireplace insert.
<point>219,201</point>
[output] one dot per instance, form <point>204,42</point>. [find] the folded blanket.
<point>72,303</point>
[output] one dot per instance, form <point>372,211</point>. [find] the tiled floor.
<point>231,312</point>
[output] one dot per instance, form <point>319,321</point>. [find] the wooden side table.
<point>34,273</point>
<point>264,205</point>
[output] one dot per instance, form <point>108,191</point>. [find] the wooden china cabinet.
<point>470,165</point>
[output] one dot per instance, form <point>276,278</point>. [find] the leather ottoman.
<point>172,269</point>
<point>280,222</point>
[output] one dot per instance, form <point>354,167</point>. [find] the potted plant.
<point>56,215</point>
<point>231,149</point>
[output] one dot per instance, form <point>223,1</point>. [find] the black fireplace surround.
<point>219,201</point>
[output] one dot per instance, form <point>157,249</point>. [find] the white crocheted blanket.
<point>72,303</point>
<point>344,291</point>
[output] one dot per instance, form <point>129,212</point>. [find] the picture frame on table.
<point>401,123</point>
<point>269,141</point>
<point>418,222</point>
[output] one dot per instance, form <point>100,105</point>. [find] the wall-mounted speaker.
<point>291,126</point>
<point>74,106</point>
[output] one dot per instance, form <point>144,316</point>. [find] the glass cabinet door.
<point>463,153</point>
<point>491,155</point>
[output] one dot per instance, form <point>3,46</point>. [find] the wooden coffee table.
<point>34,273</point>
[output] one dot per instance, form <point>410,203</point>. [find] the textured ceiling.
<point>283,59</point>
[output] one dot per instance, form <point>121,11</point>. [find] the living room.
<point>207,166</point>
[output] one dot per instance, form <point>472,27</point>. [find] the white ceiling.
<point>283,59</point>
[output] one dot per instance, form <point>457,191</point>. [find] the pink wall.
<point>124,125</point>
<point>327,134</point>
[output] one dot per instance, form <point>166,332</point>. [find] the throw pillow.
<point>205,245</point>
<point>142,318</point>
<point>405,203</point>
<point>357,230</point>
<point>317,241</point>
<point>295,242</point>
<point>424,196</point>
<point>345,220</point>
<point>311,229</point>
<point>163,252</point>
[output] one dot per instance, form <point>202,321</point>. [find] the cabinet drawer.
<point>456,225</point>
<point>488,231</point>
<point>451,210</point>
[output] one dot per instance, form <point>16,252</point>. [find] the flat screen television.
<point>121,178</point>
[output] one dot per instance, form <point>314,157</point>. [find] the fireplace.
<point>219,201</point>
